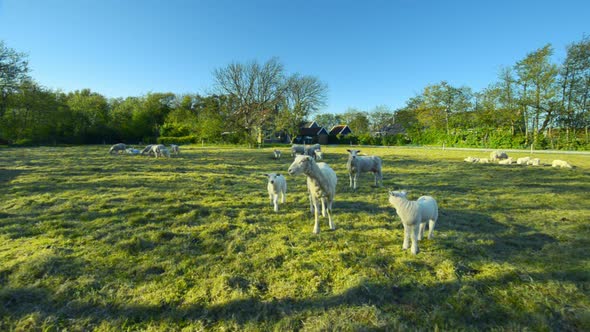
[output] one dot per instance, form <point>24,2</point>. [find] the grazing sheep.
<point>310,150</point>
<point>160,150</point>
<point>147,150</point>
<point>534,162</point>
<point>277,154</point>
<point>175,149</point>
<point>120,147</point>
<point>297,149</point>
<point>414,215</point>
<point>523,160</point>
<point>483,161</point>
<point>277,185</point>
<point>498,155</point>
<point>321,184</point>
<point>318,155</point>
<point>471,159</point>
<point>560,163</point>
<point>132,151</point>
<point>357,165</point>
<point>505,161</point>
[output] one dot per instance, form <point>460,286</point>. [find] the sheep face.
<point>353,153</point>
<point>272,177</point>
<point>300,164</point>
<point>398,193</point>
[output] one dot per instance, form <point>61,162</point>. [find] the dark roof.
<point>312,124</point>
<point>313,131</point>
<point>341,129</point>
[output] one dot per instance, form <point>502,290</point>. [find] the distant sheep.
<point>132,151</point>
<point>174,149</point>
<point>147,150</point>
<point>561,164</point>
<point>414,215</point>
<point>277,154</point>
<point>120,147</point>
<point>534,162</point>
<point>297,149</point>
<point>160,150</point>
<point>310,150</point>
<point>498,155</point>
<point>277,185</point>
<point>471,160</point>
<point>319,155</point>
<point>505,161</point>
<point>523,160</point>
<point>321,184</point>
<point>357,165</point>
<point>483,161</point>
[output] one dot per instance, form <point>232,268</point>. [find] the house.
<point>340,130</point>
<point>311,133</point>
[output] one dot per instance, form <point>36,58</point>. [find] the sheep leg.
<point>406,244</point>
<point>283,196</point>
<point>311,205</point>
<point>350,177</point>
<point>421,232</point>
<point>330,222</point>
<point>356,180</point>
<point>431,224</point>
<point>414,234</point>
<point>275,201</point>
<point>323,207</point>
<point>316,227</point>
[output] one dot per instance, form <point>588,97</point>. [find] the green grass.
<point>92,241</point>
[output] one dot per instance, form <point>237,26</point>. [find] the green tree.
<point>14,69</point>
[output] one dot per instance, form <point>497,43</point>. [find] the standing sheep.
<point>357,165</point>
<point>318,155</point>
<point>297,149</point>
<point>120,147</point>
<point>561,164</point>
<point>277,154</point>
<point>310,150</point>
<point>321,184</point>
<point>160,150</point>
<point>277,185</point>
<point>414,215</point>
<point>498,155</point>
<point>175,149</point>
<point>147,150</point>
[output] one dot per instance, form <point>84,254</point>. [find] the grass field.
<point>90,241</point>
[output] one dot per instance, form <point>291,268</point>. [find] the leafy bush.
<point>178,140</point>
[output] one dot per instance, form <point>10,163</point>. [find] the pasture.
<point>91,241</point>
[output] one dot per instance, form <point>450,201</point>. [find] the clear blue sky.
<point>368,52</point>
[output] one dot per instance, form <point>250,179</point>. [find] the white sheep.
<point>160,150</point>
<point>471,159</point>
<point>534,162</point>
<point>560,163</point>
<point>483,161</point>
<point>310,150</point>
<point>505,161</point>
<point>321,185</point>
<point>147,150</point>
<point>277,185</point>
<point>523,160</point>
<point>175,149</point>
<point>358,164</point>
<point>277,154</point>
<point>132,151</point>
<point>297,149</point>
<point>119,147</point>
<point>414,215</point>
<point>318,155</point>
<point>498,155</point>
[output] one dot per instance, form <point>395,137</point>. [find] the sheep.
<point>297,149</point>
<point>147,150</point>
<point>310,150</point>
<point>277,154</point>
<point>175,149</point>
<point>120,147</point>
<point>560,163</point>
<point>414,215</point>
<point>160,150</point>
<point>132,151</point>
<point>357,164</point>
<point>483,161</point>
<point>534,162</point>
<point>277,185</point>
<point>471,159</point>
<point>523,160</point>
<point>318,155</point>
<point>498,155</point>
<point>321,185</point>
<point>505,161</point>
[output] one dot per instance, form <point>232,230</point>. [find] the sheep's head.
<point>272,177</point>
<point>353,153</point>
<point>398,193</point>
<point>300,164</point>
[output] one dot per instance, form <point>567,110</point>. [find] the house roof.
<point>313,131</point>
<point>312,124</point>
<point>340,129</point>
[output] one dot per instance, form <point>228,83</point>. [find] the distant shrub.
<point>177,140</point>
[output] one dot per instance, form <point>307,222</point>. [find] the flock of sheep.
<point>321,187</point>
<point>156,150</point>
<point>502,158</point>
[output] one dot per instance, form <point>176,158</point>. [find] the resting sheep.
<point>471,160</point>
<point>297,149</point>
<point>414,215</point>
<point>277,185</point>
<point>357,165</point>
<point>498,155</point>
<point>175,149</point>
<point>321,184</point>
<point>561,164</point>
<point>523,160</point>
<point>277,154</point>
<point>483,161</point>
<point>534,162</point>
<point>505,161</point>
<point>120,147</point>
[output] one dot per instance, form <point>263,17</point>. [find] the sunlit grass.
<point>94,241</point>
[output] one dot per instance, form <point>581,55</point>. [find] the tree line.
<point>534,101</point>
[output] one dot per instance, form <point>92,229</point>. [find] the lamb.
<point>318,155</point>
<point>297,149</point>
<point>498,155</point>
<point>175,149</point>
<point>523,160</point>
<point>357,164</point>
<point>560,163</point>
<point>505,161</point>
<point>534,162</point>
<point>414,215</point>
<point>471,159</point>
<point>160,150</point>
<point>277,154</point>
<point>483,161</point>
<point>310,150</point>
<point>120,147</point>
<point>321,184</point>
<point>277,185</point>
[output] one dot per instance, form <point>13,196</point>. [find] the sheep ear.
<point>348,151</point>
<point>278,174</point>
